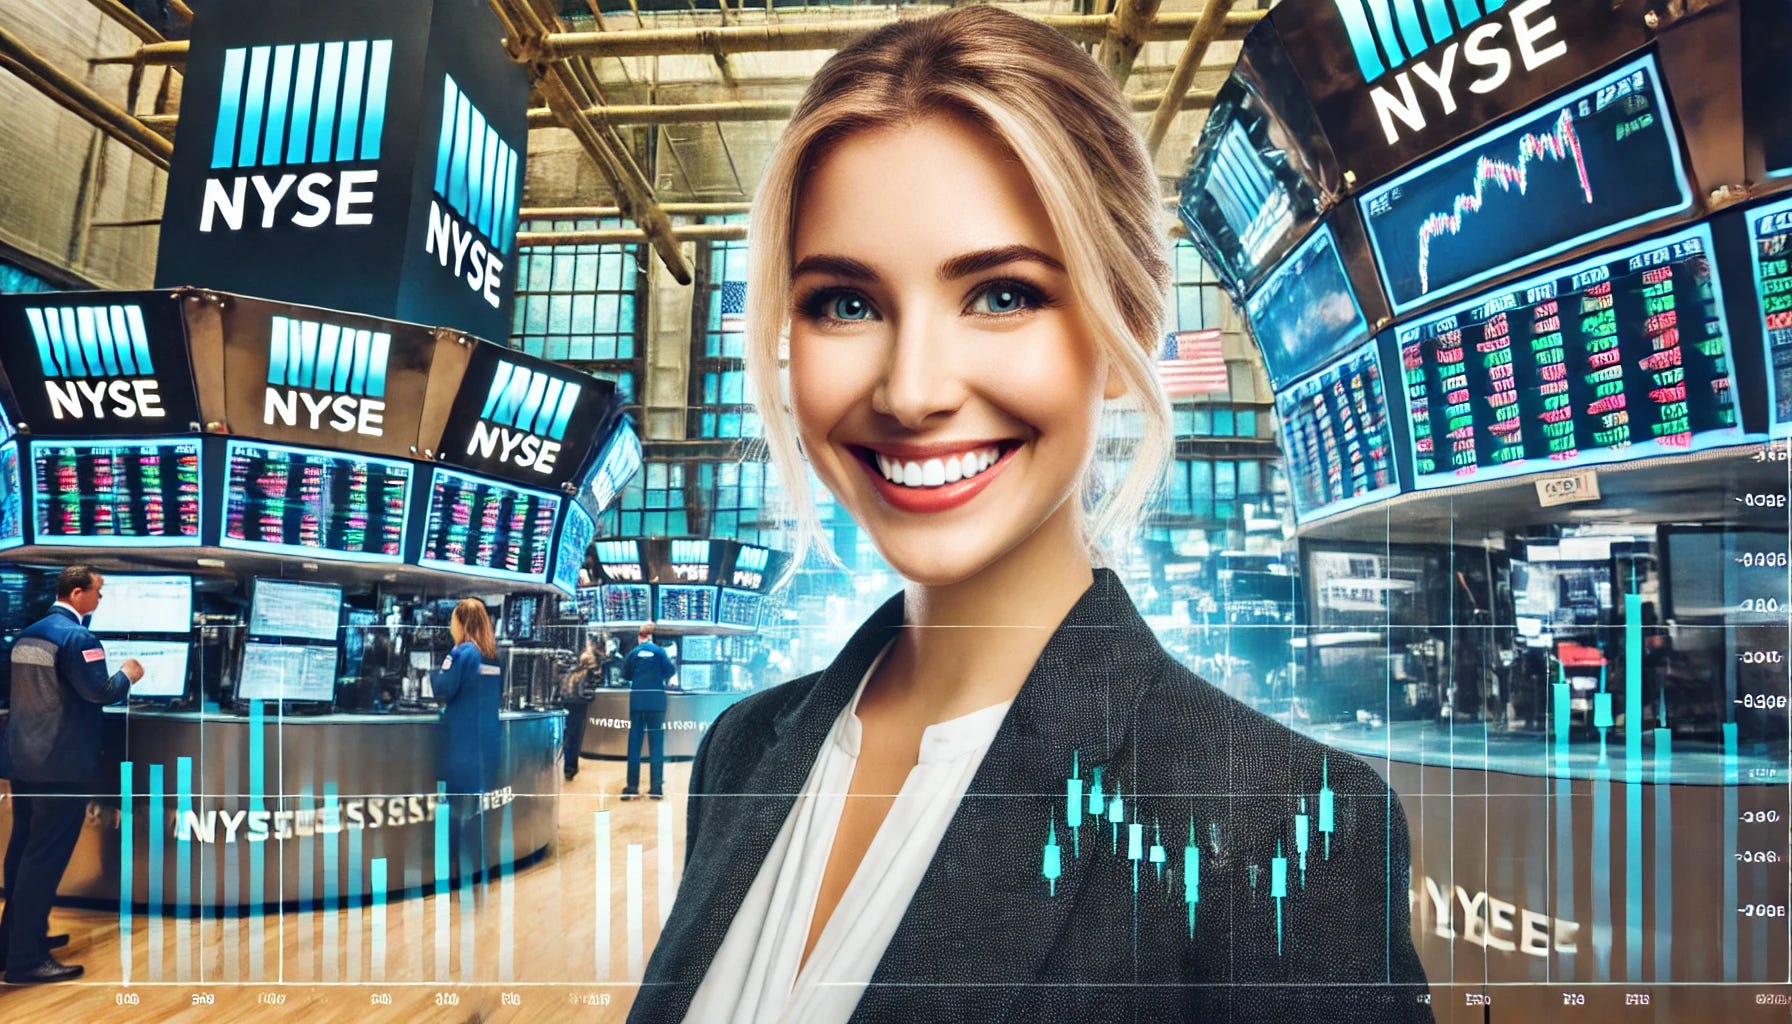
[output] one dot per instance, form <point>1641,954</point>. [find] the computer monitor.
<point>295,611</point>
<point>144,604</point>
<point>300,672</point>
<point>164,665</point>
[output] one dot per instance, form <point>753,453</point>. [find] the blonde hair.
<point>1064,119</point>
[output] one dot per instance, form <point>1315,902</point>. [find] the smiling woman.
<point>958,239</point>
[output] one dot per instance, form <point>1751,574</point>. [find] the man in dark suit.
<point>52,756</point>
<point>648,669</point>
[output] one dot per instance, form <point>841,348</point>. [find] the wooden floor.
<point>535,942</point>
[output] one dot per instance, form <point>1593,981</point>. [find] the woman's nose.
<point>923,373</point>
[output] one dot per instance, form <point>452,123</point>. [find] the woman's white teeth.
<point>936,472</point>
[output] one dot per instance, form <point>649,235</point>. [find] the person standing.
<point>467,749</point>
<point>52,756</point>
<point>575,696</point>
<point>648,668</point>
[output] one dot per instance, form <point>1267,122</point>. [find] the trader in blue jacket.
<point>647,668</point>
<point>52,756</point>
<point>470,686</point>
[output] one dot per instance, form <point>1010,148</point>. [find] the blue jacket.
<point>59,683</point>
<point>988,938</point>
<point>467,734</point>
<point>647,668</point>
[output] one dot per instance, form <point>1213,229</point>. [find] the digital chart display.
<point>1622,356</point>
<point>12,502</point>
<point>686,604</point>
<point>1770,238</point>
<point>287,672</point>
<point>287,500</point>
<point>116,493</point>
<point>627,602</point>
<point>575,540</point>
<point>295,611</point>
<point>1335,430</point>
<point>164,664</point>
<point>1600,159</point>
<point>488,528</point>
<point>738,608</point>
<point>144,604</point>
<point>1306,312</point>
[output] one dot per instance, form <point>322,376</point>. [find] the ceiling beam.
<point>1126,37</point>
<point>1200,37</point>
<point>77,98</point>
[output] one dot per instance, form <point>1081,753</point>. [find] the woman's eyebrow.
<point>984,259</point>
<point>839,266</point>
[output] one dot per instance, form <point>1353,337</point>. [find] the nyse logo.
<point>1386,36</point>
<point>321,369</point>
<point>297,104</point>
<point>96,362</point>
<point>524,418</point>
<point>476,174</point>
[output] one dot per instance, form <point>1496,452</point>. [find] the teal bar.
<point>442,880</point>
<point>332,810</point>
<point>377,966</point>
<point>155,838</point>
<point>1633,787</point>
<point>354,904</point>
<point>507,891</point>
<point>1732,778</point>
<point>257,865</point>
<point>183,856</point>
<point>1564,790</point>
<point>125,859</point>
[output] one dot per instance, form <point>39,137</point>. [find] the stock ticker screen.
<point>1336,436</point>
<point>1600,159</point>
<point>1617,357</point>
<point>295,500</point>
<point>116,493</point>
<point>1770,238</point>
<point>488,528</point>
<point>1306,311</point>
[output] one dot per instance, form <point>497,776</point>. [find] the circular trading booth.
<point>287,501</point>
<point>705,599</point>
<point>1532,353</point>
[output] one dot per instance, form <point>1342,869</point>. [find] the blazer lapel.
<point>743,820</point>
<point>984,918</point>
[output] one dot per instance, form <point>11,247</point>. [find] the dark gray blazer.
<point>984,940</point>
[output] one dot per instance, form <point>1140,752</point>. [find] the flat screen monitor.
<point>12,502</point>
<point>1732,576</point>
<point>116,493</point>
<point>695,677</point>
<point>576,534</point>
<point>620,560</point>
<point>164,664</point>
<point>620,461</point>
<point>739,608</point>
<point>627,602</point>
<point>1335,437</point>
<point>299,672</point>
<point>1770,241</point>
<point>1306,312</point>
<point>1599,159</point>
<point>1621,356</point>
<point>291,610</point>
<point>144,604</point>
<point>485,528</point>
<point>299,501</point>
<point>681,604</point>
<point>699,648</point>
<point>689,560</point>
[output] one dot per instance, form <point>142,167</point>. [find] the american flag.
<point>1192,364</point>
<point>734,306</point>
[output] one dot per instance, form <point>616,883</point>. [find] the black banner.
<point>525,419</point>
<point>1393,80</point>
<point>109,364</point>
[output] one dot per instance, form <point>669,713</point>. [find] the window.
<point>581,304</point>
<point>721,400</point>
<point>652,505</point>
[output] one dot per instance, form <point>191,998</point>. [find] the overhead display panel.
<point>1306,312</point>
<point>685,605</point>
<point>486,528</point>
<point>1770,237</point>
<point>526,420</point>
<point>1599,159</point>
<point>296,501</point>
<point>620,560</point>
<point>1621,356</point>
<point>575,540</point>
<point>117,493</point>
<point>12,502</point>
<point>1394,80</point>
<point>1336,439</point>
<point>738,608</point>
<point>616,466</point>
<point>107,364</point>
<point>626,602</point>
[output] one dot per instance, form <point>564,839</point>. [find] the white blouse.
<point>753,977</point>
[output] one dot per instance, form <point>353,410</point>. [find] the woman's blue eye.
<point>1005,297</point>
<point>848,306</point>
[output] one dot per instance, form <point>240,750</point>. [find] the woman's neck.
<point>970,644</point>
